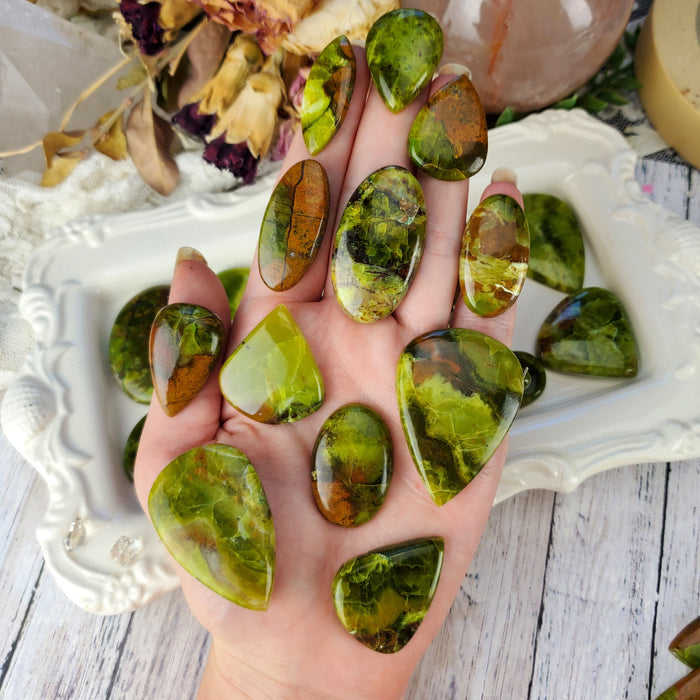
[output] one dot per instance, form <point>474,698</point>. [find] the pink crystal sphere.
<point>528,54</point>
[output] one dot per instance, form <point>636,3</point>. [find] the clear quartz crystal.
<point>126,550</point>
<point>76,535</point>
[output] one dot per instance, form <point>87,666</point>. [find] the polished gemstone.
<point>589,333</point>
<point>131,448</point>
<point>128,342</point>
<point>557,256</point>
<point>494,256</point>
<point>327,94</point>
<point>534,377</point>
<point>449,138</point>
<point>234,280</point>
<point>379,244</point>
<point>209,508</point>
<point>186,341</point>
<point>382,597</point>
<point>686,644</point>
<point>403,48</point>
<point>458,393</point>
<point>293,225</point>
<point>272,376</point>
<point>352,465</point>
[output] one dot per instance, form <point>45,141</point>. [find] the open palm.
<point>298,648</point>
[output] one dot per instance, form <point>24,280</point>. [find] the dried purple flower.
<point>235,157</point>
<point>193,122</point>
<point>145,28</point>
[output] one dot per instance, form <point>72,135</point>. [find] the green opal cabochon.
<point>494,256</point>
<point>353,461</point>
<point>272,376</point>
<point>378,244</point>
<point>589,333</point>
<point>557,256</point>
<point>209,509</point>
<point>129,342</point>
<point>403,49</point>
<point>449,137</point>
<point>458,392</point>
<point>327,94</point>
<point>382,597</point>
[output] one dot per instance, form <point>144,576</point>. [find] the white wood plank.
<point>679,589</point>
<point>486,647</point>
<point>600,588</point>
<point>694,195</point>
<point>665,183</point>
<point>164,652</point>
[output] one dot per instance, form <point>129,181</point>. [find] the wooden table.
<point>570,596</point>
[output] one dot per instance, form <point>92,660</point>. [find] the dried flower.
<point>252,118</point>
<point>268,20</point>
<point>234,157</point>
<point>155,23</point>
<point>331,18</point>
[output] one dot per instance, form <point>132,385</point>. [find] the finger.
<point>428,303</point>
<point>334,159</point>
<point>165,437</point>
<point>503,181</point>
<point>380,141</point>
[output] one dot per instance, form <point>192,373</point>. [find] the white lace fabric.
<point>29,213</point>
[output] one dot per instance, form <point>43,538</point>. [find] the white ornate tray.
<point>66,415</point>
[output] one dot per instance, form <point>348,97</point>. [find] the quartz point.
<point>327,94</point>
<point>403,48</point>
<point>186,341</point>
<point>76,535</point>
<point>293,225</point>
<point>449,137</point>
<point>352,465</point>
<point>234,281</point>
<point>382,597</point>
<point>379,244</point>
<point>557,257</point>
<point>126,550</point>
<point>589,333</point>
<point>129,342</point>
<point>210,510</point>
<point>272,376</point>
<point>534,377</point>
<point>458,393</point>
<point>493,260</point>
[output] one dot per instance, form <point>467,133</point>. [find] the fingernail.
<point>187,254</point>
<point>504,174</point>
<point>454,69</point>
<point>686,645</point>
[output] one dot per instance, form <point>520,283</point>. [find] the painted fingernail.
<point>327,94</point>
<point>382,597</point>
<point>494,256</point>
<point>454,69</point>
<point>504,174</point>
<point>293,225</point>
<point>186,341</point>
<point>187,254</point>
<point>403,47</point>
<point>449,139</point>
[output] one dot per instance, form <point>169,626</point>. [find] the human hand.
<point>297,648</point>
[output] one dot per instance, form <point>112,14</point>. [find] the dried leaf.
<point>149,139</point>
<point>135,76</point>
<point>113,142</point>
<point>61,167</point>
<point>56,141</point>
<point>204,56</point>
